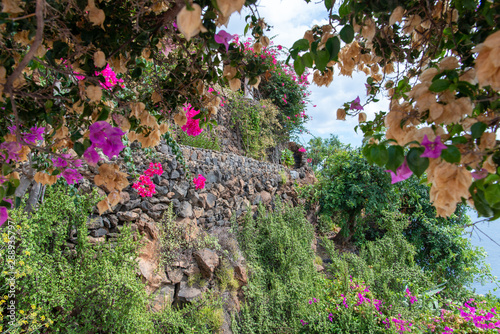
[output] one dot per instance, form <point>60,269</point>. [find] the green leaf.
<point>79,148</point>
<point>6,169</point>
<point>367,153</point>
<point>492,194</point>
<point>301,45</point>
<point>298,66</point>
<point>477,129</point>
<point>417,164</point>
<point>60,49</point>
<point>480,203</point>
<point>76,135</point>
<point>104,114</point>
<point>344,9</point>
<point>396,157</point>
<point>329,4</point>
<point>322,58</point>
<point>347,34</point>
<point>451,154</point>
<point>439,85</point>
<point>459,140</point>
<point>246,29</point>
<point>308,60</point>
<point>379,155</point>
<point>136,73</point>
<point>333,47</point>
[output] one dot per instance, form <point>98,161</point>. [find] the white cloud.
<point>289,20</point>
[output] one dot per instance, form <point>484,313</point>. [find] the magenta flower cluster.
<point>199,182</point>
<point>192,126</point>
<point>408,294</point>
<point>4,215</point>
<point>9,150</point>
<point>103,136</point>
<point>145,187</point>
<point>110,77</point>
<point>67,166</point>
<point>223,37</point>
<point>402,173</point>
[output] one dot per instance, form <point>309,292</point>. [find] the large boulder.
<point>207,260</point>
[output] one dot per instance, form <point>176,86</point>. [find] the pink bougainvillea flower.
<point>71,175</point>
<point>280,47</point>
<point>356,104</point>
<point>192,126</point>
<point>110,77</point>
<point>106,137</point>
<point>4,215</point>
<point>199,181</point>
<point>12,149</point>
<point>303,322</point>
<point>223,37</point>
<point>432,148</point>
<point>91,156</point>
<point>98,132</point>
<point>153,169</point>
<point>402,173</point>
<point>479,174</point>
<point>60,162</point>
<point>309,160</point>
<point>145,187</point>
<point>302,150</point>
<point>36,134</point>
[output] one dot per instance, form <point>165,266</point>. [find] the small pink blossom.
<point>402,173</point>
<point>302,150</point>
<point>432,148</point>
<point>479,174</point>
<point>223,37</point>
<point>355,105</point>
<point>199,182</point>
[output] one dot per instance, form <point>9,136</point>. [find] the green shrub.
<point>277,247</point>
<point>287,158</point>
<point>175,238</point>
<point>91,288</point>
<point>207,139</point>
<point>257,123</point>
<point>387,264</point>
<point>203,316</point>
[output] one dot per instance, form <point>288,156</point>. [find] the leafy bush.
<point>88,288</point>
<point>207,140</point>
<point>175,238</point>
<point>203,316</point>
<point>348,185</point>
<point>289,93</point>
<point>387,264</point>
<point>287,158</point>
<point>257,124</point>
<point>277,246</point>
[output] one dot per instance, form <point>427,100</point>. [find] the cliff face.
<point>185,256</point>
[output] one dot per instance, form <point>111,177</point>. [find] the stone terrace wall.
<point>233,184</point>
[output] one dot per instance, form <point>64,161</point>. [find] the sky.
<point>289,20</point>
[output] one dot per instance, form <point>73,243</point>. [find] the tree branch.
<point>33,48</point>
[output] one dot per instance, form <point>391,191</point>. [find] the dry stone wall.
<point>234,184</point>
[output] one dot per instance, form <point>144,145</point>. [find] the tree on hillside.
<point>351,187</point>
<point>438,63</point>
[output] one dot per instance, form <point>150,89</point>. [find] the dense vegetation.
<point>83,80</point>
